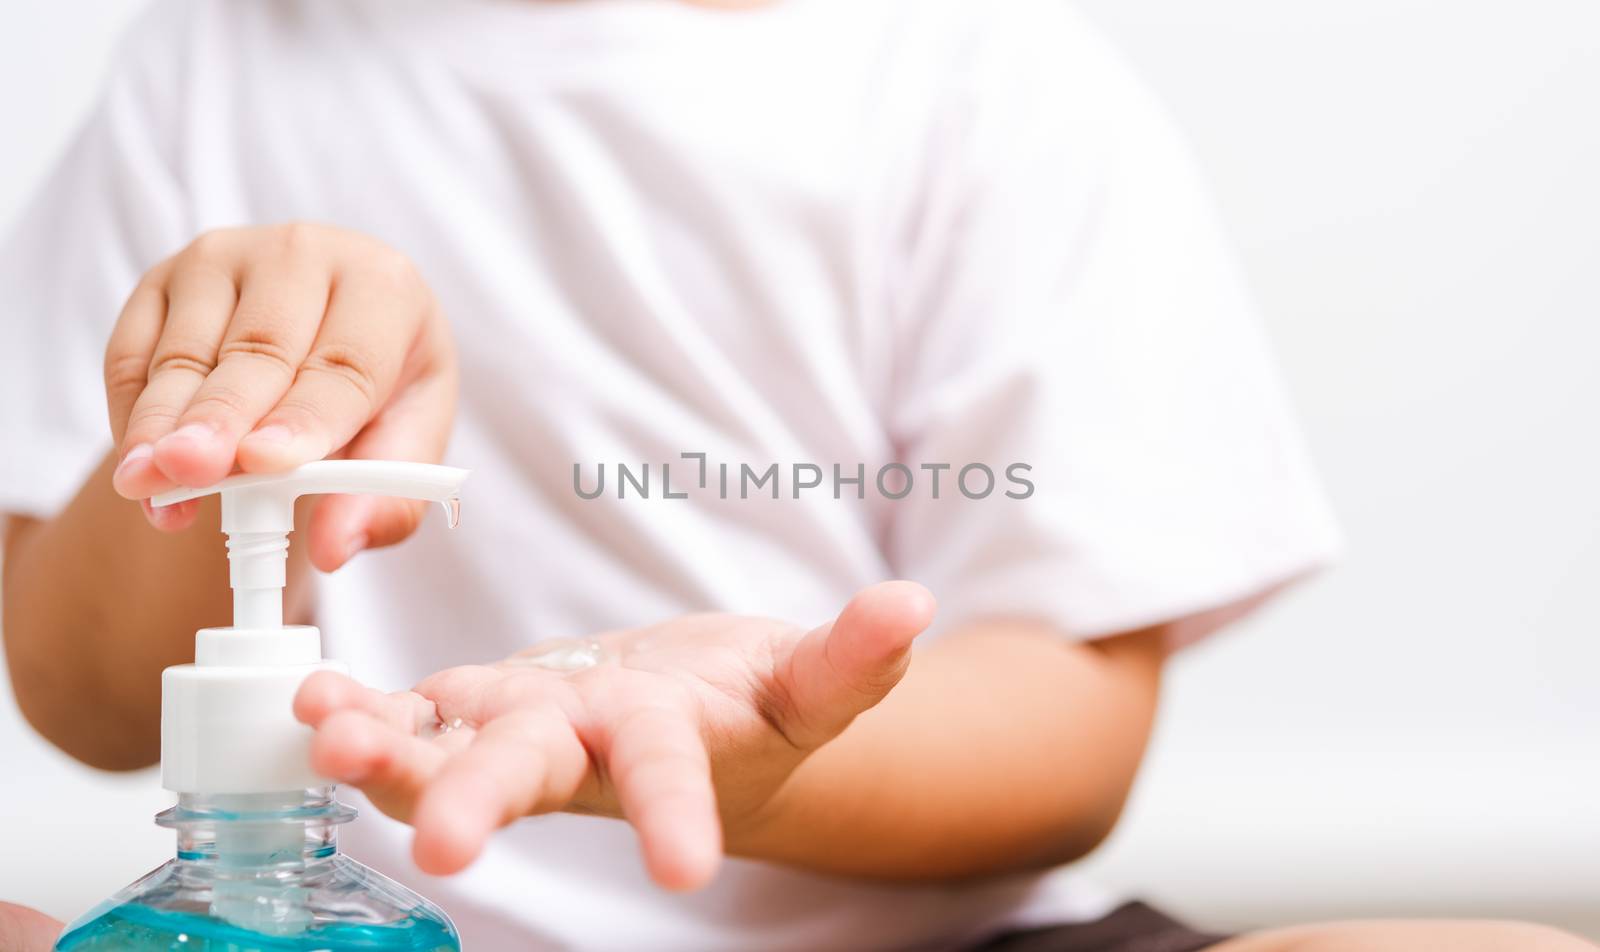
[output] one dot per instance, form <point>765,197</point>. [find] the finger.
<point>133,340</point>
<point>391,766</point>
<point>200,297</point>
<point>528,761</point>
<point>415,425</point>
<point>327,692</point>
<point>343,526</point>
<point>841,669</point>
<point>269,333</point>
<point>345,379</point>
<point>26,930</point>
<point>478,694</point>
<point>662,774</point>
<point>460,693</point>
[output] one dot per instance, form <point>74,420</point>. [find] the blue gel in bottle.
<point>261,873</point>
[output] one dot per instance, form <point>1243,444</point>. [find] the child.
<point>933,240</point>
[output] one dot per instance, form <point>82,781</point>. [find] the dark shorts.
<point>1134,927</point>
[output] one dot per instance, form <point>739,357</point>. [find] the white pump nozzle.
<point>226,720</point>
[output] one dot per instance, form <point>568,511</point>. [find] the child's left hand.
<point>688,729</point>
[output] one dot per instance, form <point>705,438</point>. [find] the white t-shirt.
<point>858,233</point>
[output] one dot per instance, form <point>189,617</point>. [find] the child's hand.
<point>263,348</point>
<point>26,930</point>
<point>688,729</point>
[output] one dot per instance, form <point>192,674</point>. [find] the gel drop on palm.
<point>258,867</point>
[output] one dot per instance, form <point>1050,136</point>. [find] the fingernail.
<point>189,433</point>
<point>141,452</point>
<point>276,433</point>
<point>156,514</point>
<point>354,546</point>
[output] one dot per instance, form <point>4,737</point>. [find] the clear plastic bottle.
<point>261,873</point>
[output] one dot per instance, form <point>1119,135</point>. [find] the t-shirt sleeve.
<point>1070,312</point>
<point>109,210</point>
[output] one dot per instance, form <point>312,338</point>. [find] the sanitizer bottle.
<point>258,867</point>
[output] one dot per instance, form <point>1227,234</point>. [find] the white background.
<point>1413,186</point>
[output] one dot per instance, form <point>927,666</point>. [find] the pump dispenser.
<point>257,865</point>
<point>226,720</point>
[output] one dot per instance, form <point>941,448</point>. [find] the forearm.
<point>96,603</point>
<point>1004,748</point>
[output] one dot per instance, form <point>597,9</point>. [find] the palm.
<point>685,728</point>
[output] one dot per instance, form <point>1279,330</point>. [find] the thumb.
<point>414,426</point>
<point>842,668</point>
<point>25,930</point>
<point>343,526</point>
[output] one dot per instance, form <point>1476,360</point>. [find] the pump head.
<point>258,515</point>
<point>226,720</point>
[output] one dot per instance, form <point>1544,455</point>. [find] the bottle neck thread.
<point>247,834</point>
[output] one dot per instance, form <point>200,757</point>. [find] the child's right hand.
<point>259,349</point>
